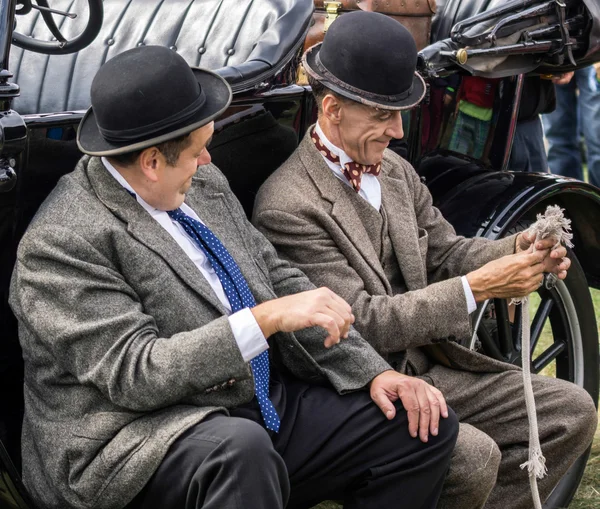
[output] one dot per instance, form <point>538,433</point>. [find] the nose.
<point>394,129</point>
<point>204,158</point>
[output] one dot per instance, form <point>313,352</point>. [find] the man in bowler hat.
<point>355,217</point>
<point>171,359</point>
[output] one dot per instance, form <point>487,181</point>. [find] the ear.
<point>151,163</point>
<point>332,108</point>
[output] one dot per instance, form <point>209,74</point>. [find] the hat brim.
<point>413,99</point>
<point>218,97</point>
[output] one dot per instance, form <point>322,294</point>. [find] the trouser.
<point>528,152</point>
<point>494,435</point>
<point>575,114</point>
<point>328,447</point>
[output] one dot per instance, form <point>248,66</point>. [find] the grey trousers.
<point>328,447</point>
<point>493,436</point>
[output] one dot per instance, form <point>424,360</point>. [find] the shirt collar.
<point>344,158</point>
<point>121,180</point>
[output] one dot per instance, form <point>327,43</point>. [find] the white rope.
<point>552,224</point>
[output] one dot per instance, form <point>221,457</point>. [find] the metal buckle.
<point>332,10</point>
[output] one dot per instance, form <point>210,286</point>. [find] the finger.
<point>411,405</point>
<point>434,405</point>
<point>562,274</point>
<point>565,264</point>
<point>342,313</point>
<point>534,257</point>
<point>385,404</point>
<point>442,401</point>
<point>330,325</point>
<point>559,252</point>
<point>548,243</point>
<point>424,412</point>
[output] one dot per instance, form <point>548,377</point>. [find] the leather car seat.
<point>247,41</point>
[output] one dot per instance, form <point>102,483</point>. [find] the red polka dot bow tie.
<point>352,171</point>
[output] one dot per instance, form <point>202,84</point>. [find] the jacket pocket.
<point>102,444</point>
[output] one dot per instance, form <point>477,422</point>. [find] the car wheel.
<point>564,344</point>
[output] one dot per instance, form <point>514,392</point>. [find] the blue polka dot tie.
<point>237,291</point>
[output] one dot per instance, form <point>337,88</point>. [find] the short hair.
<point>319,92</point>
<point>171,149</point>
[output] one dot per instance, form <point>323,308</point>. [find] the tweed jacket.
<point>312,221</point>
<point>125,343</point>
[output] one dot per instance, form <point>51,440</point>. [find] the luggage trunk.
<point>415,15</point>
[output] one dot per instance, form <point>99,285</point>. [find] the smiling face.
<point>363,132</point>
<point>162,178</point>
<point>174,180</point>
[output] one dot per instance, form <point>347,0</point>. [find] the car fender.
<point>480,203</point>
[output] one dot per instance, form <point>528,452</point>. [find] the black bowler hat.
<point>146,96</point>
<point>369,58</point>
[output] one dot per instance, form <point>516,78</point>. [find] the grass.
<point>588,494</point>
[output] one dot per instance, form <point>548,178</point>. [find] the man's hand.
<point>563,79</point>
<point>319,307</point>
<point>556,263</point>
<point>423,402</point>
<point>514,275</point>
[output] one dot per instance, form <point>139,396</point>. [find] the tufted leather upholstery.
<point>247,41</point>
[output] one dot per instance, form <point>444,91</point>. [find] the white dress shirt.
<point>246,330</point>
<point>370,190</point>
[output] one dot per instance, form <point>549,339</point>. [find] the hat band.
<point>363,93</point>
<point>135,133</point>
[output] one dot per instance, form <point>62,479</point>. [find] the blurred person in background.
<point>577,112</point>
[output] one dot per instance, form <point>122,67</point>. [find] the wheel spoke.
<point>517,327</point>
<point>548,356</point>
<point>505,341</point>
<point>489,345</point>
<point>541,315</point>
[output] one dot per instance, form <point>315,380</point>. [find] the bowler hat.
<point>146,96</point>
<point>370,58</point>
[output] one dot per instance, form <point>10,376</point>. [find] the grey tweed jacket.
<point>304,211</point>
<point>125,343</point>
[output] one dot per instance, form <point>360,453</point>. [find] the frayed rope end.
<point>536,464</point>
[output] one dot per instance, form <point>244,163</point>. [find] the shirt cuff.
<point>471,304</point>
<point>248,336</point>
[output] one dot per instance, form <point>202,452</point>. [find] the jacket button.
<point>110,42</point>
<point>202,50</point>
<point>174,48</point>
<point>230,51</point>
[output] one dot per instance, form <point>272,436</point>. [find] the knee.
<point>578,404</point>
<point>475,463</point>
<point>246,441</point>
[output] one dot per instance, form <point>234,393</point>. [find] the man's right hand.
<point>511,276</point>
<point>320,307</point>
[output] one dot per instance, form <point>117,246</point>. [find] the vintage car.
<point>49,55</point>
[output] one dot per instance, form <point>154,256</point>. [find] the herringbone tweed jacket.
<point>125,343</point>
<point>306,213</point>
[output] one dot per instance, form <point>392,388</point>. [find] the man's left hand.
<point>423,403</point>
<point>556,262</point>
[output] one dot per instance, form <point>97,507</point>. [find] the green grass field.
<point>588,495</point>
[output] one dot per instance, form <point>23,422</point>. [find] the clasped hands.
<point>522,273</point>
<point>322,307</point>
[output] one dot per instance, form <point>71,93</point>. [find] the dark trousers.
<point>328,447</point>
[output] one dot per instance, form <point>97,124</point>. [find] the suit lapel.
<point>343,211</point>
<point>403,230</point>
<point>144,228</point>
